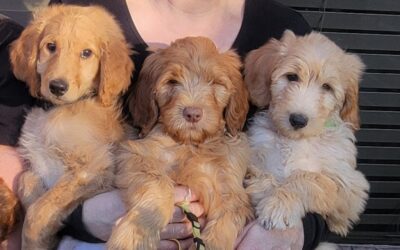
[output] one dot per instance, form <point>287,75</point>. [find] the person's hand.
<point>255,237</point>
<point>101,212</point>
<point>69,243</point>
<point>180,228</point>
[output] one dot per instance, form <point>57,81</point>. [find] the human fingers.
<point>175,244</point>
<point>181,230</point>
<point>183,193</point>
<point>256,237</point>
<point>100,213</point>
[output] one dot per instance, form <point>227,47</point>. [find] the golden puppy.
<point>77,59</point>
<point>190,104</point>
<point>303,146</point>
<point>9,210</point>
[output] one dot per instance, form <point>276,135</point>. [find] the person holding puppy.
<point>242,25</point>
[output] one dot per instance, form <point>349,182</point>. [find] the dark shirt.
<point>14,95</point>
<point>263,20</point>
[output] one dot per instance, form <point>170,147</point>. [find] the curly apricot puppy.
<point>77,59</point>
<point>190,104</point>
<point>9,210</point>
<point>303,146</point>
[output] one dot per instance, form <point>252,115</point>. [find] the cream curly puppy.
<point>304,152</point>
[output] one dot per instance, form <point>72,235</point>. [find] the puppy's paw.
<point>42,221</point>
<point>339,225</point>
<point>127,236</point>
<point>276,213</point>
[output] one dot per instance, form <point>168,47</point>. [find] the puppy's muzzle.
<point>298,120</point>
<point>192,114</point>
<point>58,87</point>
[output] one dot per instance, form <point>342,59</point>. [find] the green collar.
<point>330,123</point>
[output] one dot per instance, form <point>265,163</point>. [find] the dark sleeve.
<point>74,227</point>
<point>315,230</point>
<point>55,2</point>
<point>14,95</point>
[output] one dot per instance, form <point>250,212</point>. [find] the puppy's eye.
<point>292,77</point>
<point>173,82</point>
<point>86,53</point>
<point>51,47</point>
<point>327,87</point>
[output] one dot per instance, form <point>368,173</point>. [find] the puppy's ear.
<point>142,103</point>
<point>238,106</point>
<point>288,37</point>
<point>259,66</point>
<point>350,110</point>
<point>24,51</point>
<point>116,66</point>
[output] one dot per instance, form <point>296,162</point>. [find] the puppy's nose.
<point>298,120</point>
<point>58,87</point>
<point>192,114</point>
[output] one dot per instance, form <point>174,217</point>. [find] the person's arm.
<point>306,237</point>
<point>315,230</point>
<point>14,101</point>
<point>98,215</point>
<point>254,236</point>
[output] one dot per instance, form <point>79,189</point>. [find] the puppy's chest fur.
<point>59,140</point>
<point>218,155</point>
<point>272,152</point>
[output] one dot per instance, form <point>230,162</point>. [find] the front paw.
<point>39,228</point>
<point>128,236</point>
<point>277,213</point>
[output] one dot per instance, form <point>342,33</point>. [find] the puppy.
<point>190,104</point>
<point>9,210</point>
<point>76,59</point>
<point>303,149</point>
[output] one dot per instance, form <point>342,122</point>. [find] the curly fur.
<point>313,168</point>
<point>209,156</point>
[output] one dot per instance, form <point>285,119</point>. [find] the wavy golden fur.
<point>77,59</point>
<point>191,104</point>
